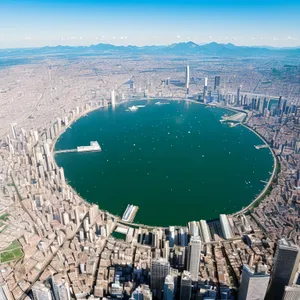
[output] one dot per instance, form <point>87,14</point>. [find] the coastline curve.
<point>242,211</point>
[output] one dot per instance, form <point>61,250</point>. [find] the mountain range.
<point>184,48</point>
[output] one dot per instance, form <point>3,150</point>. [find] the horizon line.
<point>152,45</point>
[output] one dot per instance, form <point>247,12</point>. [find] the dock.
<point>261,146</point>
<point>130,213</point>
<point>264,181</point>
<point>238,117</point>
<point>93,147</point>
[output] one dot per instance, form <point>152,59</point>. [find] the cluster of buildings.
<point>68,246</point>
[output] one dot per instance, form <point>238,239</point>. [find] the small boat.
<point>161,103</point>
<point>133,108</point>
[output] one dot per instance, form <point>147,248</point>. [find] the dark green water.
<point>177,162</point>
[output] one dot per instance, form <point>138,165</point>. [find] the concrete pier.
<point>93,147</point>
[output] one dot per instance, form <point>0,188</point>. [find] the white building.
<point>41,292</point>
<point>5,294</point>
<point>193,262</point>
<point>113,98</point>
<point>291,293</point>
<point>61,289</point>
<point>253,285</point>
<point>187,78</point>
<point>205,231</point>
<point>225,227</point>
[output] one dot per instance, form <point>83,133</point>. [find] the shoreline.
<point>261,194</point>
<point>241,211</point>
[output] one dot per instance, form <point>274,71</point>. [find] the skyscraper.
<point>143,292</point>
<point>187,79</point>
<point>41,292</point>
<point>169,288</point>
<point>113,98</point>
<point>205,231</point>
<point>185,286</point>
<point>193,262</point>
<point>5,294</point>
<point>217,82</point>
<point>60,288</point>
<point>238,96</point>
<point>226,229</point>
<point>286,262</point>
<point>160,268</point>
<point>205,89</point>
<point>253,285</point>
<point>13,127</point>
<point>291,292</point>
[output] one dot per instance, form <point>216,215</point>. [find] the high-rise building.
<point>13,127</point>
<point>5,293</point>
<point>253,285</point>
<point>113,98</point>
<point>217,82</point>
<point>193,262</point>
<point>187,79</point>
<point>286,262</point>
<point>205,89</point>
<point>60,288</point>
<point>169,288</point>
<point>279,106</point>
<point>291,292</point>
<point>160,268</point>
<point>186,286</point>
<point>205,231</point>
<point>41,292</point>
<point>143,292</point>
<point>238,96</point>
<point>226,229</point>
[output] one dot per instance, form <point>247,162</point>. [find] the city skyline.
<point>166,172</point>
<point>61,245</point>
<point>255,23</point>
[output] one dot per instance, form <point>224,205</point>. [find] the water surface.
<point>177,162</point>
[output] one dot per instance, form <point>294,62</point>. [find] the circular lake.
<point>177,161</point>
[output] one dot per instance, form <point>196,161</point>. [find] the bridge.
<point>65,151</point>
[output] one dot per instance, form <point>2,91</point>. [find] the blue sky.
<point>30,23</point>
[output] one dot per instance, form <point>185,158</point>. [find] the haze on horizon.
<point>78,22</point>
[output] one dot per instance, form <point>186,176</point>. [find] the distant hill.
<point>185,48</point>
